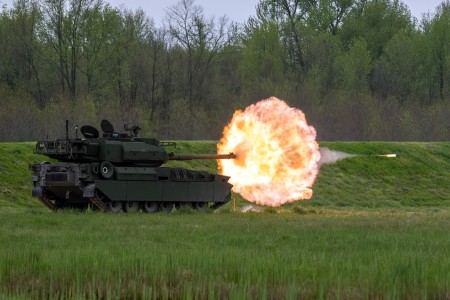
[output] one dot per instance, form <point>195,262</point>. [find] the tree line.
<point>359,69</point>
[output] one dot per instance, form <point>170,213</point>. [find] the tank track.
<point>47,202</point>
<point>99,204</point>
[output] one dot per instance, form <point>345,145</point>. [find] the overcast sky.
<point>236,10</point>
<point>240,10</point>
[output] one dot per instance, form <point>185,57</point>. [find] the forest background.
<point>359,69</point>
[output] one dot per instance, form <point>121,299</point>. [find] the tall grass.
<point>225,255</point>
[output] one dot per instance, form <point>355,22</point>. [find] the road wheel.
<point>166,206</point>
<point>131,206</point>
<point>200,206</point>
<point>150,207</point>
<point>115,206</point>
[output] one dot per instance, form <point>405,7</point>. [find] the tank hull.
<point>151,189</point>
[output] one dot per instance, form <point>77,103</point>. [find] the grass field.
<point>375,228</point>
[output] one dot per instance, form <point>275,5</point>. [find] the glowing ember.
<point>277,155</point>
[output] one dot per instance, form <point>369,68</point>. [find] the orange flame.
<point>276,153</point>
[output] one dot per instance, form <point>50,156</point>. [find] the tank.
<point>118,171</point>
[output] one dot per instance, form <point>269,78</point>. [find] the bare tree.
<point>201,38</point>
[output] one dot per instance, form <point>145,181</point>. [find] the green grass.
<point>375,228</point>
<point>225,255</point>
<point>417,178</point>
<point>15,178</point>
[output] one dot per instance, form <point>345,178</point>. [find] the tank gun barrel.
<point>201,156</point>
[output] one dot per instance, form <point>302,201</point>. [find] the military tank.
<point>118,171</point>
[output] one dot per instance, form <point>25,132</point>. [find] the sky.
<point>235,10</point>
<point>241,10</point>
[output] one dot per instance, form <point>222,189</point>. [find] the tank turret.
<point>117,148</point>
<point>118,171</point>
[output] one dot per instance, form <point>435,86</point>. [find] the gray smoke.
<point>328,156</point>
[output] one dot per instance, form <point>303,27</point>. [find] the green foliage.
<point>262,58</point>
<point>439,43</point>
<point>354,67</point>
<point>400,69</point>
<point>376,22</point>
<point>323,51</point>
<point>327,15</point>
<point>86,61</point>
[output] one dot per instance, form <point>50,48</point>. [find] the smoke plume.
<point>328,156</point>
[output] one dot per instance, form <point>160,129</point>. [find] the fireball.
<point>276,153</point>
